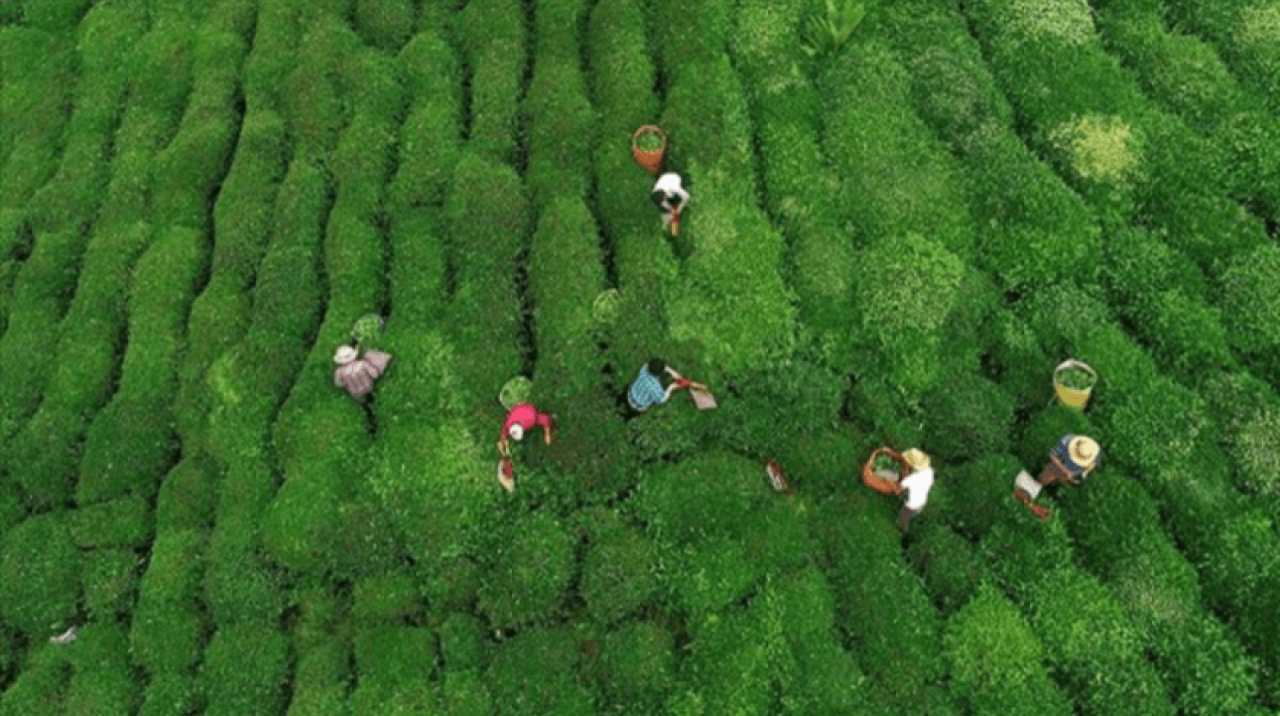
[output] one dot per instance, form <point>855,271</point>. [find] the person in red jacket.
<point>522,418</point>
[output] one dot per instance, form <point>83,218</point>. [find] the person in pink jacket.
<point>357,374</point>
<point>522,418</point>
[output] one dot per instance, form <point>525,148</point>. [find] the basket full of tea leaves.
<point>1073,381</point>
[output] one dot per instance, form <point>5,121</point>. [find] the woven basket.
<point>877,483</point>
<point>649,159</point>
<point>1072,397</point>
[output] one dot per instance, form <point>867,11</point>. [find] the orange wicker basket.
<point>877,483</point>
<point>650,159</point>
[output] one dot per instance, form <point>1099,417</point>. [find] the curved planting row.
<point>244,591</point>
<point>1246,35</point>
<point>1166,433</point>
<point>1186,76</point>
<point>1132,161</point>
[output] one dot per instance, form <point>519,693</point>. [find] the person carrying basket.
<point>670,196</point>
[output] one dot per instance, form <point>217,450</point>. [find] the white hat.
<point>1083,451</point>
<point>345,355</point>
<point>516,432</point>
<point>916,458</point>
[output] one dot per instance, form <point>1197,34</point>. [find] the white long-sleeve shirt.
<point>917,485</point>
<point>669,185</point>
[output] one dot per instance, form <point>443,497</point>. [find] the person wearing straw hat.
<point>357,374</point>
<point>1071,460</point>
<point>522,418</point>
<point>916,485</point>
<point>671,198</point>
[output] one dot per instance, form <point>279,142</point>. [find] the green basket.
<point>516,391</point>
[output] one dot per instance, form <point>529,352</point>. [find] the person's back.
<point>356,375</point>
<point>669,193</point>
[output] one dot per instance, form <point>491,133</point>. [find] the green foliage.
<point>186,499</point>
<point>968,415</point>
<point>102,679</point>
<point>493,43</point>
<point>462,643</point>
<point>1249,303</point>
<point>534,673</point>
<point>430,135</point>
<point>527,581</point>
<point>390,598</point>
<point>619,571</point>
<point>39,568</point>
<point>169,694</point>
<point>40,686</point>
<point>562,129</point>
<point>950,565</point>
<point>167,632</point>
<point>233,689</point>
<point>826,32</point>
<point>386,25</point>
<point>621,70</point>
<point>996,660</point>
<point>320,683</point>
<point>637,666</point>
<point>110,582</point>
<point>126,522</point>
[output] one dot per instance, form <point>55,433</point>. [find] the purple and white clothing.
<point>358,375</point>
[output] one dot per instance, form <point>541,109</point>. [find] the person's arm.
<point>503,450</point>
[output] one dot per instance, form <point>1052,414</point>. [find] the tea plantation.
<point>893,239</point>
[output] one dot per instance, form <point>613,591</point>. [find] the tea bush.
<point>233,689</point>
<point>59,16</point>
<point>637,666</point>
<point>102,677</point>
<point>896,178</point>
<point>39,76</point>
<point>320,680</point>
<point>130,444</point>
<point>110,583</point>
<point>169,694</point>
<point>950,566</point>
<point>728,664</point>
<point>1243,34</point>
<point>124,522</point>
<point>465,694</point>
<point>39,563</point>
<point>167,631</point>
<point>528,577</point>
<point>429,137</point>
<point>619,571</point>
<point>80,381</point>
<point>462,643</point>
<point>389,598</point>
<point>534,673</point>
<point>385,25</point>
<point>493,43</point>
<point>40,686</point>
<point>996,659</point>
<point>1248,302</point>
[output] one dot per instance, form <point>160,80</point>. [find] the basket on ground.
<point>648,146</point>
<point>1073,382</point>
<point>884,483</point>
<point>516,391</point>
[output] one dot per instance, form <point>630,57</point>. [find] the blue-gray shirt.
<point>646,390</point>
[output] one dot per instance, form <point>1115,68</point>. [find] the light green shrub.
<point>561,129</point>
<point>167,633</point>
<point>39,575</point>
<point>464,694</point>
<point>621,70</point>
<point>1249,303</point>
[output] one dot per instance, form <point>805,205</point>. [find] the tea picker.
<point>648,390</point>
<point>892,473</point>
<point>671,197</point>
<point>522,417</point>
<point>359,363</point>
<point>1070,462</point>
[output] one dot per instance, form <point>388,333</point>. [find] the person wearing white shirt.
<point>916,486</point>
<point>671,198</point>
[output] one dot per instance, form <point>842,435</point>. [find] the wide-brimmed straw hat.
<point>916,458</point>
<point>516,431</point>
<point>1083,451</point>
<point>345,355</point>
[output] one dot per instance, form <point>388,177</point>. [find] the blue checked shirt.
<point>646,390</point>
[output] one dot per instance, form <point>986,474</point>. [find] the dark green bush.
<point>637,666</point>
<point>465,694</point>
<point>430,135</point>
<point>1249,304</point>
<point>996,660</point>
<point>493,43</point>
<point>110,581</point>
<point>320,683</point>
<point>187,497</point>
<point>33,115</point>
<point>56,16</point>
<point>239,589</point>
<point>170,694</point>
<point>385,25</point>
<point>727,666</point>
<point>619,571</point>
<point>566,275</point>
<point>233,689</point>
<point>529,577</point>
<point>390,598</point>
<point>969,415</point>
<point>309,96</point>
<point>535,673</point>
<point>621,72</point>
<point>462,643</point>
<point>1098,650</point>
<point>124,522</point>
<point>39,568</point>
<point>41,686</point>
<point>167,632</point>
<point>950,565</point>
<point>102,679</point>
<point>561,129</point>
<point>395,656</point>
<point>879,602</point>
<point>897,179</point>
<point>708,124</point>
